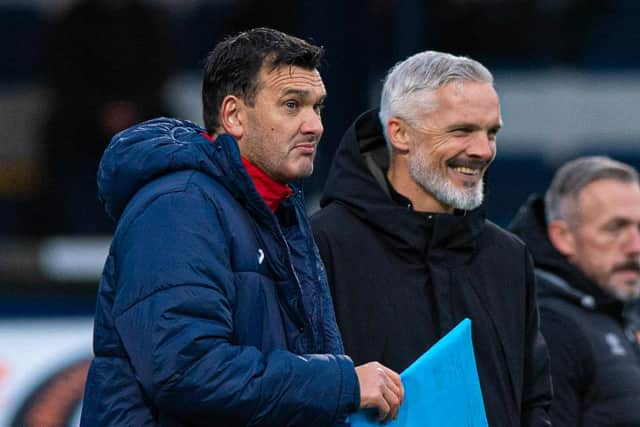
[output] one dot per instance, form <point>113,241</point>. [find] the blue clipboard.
<point>441,387</point>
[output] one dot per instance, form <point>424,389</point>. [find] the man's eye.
<point>318,108</point>
<point>614,228</point>
<point>462,131</point>
<point>292,105</point>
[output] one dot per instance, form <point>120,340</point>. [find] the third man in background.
<point>585,239</point>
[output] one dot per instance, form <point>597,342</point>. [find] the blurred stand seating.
<point>73,72</point>
<point>511,179</point>
<point>21,104</point>
<point>106,64</point>
<point>628,153</point>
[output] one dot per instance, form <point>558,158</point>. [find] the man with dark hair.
<point>585,240</point>
<point>213,307</point>
<point>406,245</point>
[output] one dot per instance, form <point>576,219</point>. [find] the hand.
<point>380,388</point>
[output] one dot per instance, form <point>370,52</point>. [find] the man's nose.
<point>633,242</point>
<point>312,123</point>
<point>482,146</point>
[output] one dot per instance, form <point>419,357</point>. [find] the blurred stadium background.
<point>72,72</point>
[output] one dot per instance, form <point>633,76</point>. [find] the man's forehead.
<point>285,77</point>
<point>462,101</point>
<point>458,90</point>
<point>608,197</point>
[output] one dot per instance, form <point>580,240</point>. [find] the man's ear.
<point>233,116</point>
<point>397,133</point>
<point>562,237</point>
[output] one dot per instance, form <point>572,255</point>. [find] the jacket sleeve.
<point>569,367</point>
<point>174,314</point>
<point>537,393</point>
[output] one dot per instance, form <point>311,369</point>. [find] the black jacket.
<point>595,360</point>
<point>402,279</point>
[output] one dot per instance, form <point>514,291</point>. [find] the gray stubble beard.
<point>442,189</point>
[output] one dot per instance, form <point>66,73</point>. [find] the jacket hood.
<point>357,181</point>
<point>530,225</point>
<point>150,149</point>
<point>560,278</point>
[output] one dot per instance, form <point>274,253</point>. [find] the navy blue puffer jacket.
<point>211,310</point>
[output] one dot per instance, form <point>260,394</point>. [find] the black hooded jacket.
<point>595,359</point>
<point>402,279</point>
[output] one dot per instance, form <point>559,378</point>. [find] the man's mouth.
<point>630,266</point>
<point>469,167</point>
<point>306,147</point>
<point>467,171</point>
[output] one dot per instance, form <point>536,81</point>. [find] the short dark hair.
<point>232,67</point>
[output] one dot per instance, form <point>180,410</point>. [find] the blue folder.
<point>441,388</point>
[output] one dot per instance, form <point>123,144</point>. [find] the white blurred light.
<point>73,259</point>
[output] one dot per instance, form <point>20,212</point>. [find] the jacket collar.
<point>558,277</point>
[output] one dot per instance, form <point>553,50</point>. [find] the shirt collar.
<point>273,193</point>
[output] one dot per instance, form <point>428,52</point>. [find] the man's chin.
<point>468,199</point>
<point>634,291</point>
<point>300,174</point>
<point>626,291</point>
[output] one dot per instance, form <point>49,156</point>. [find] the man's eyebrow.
<point>292,91</point>
<point>463,125</point>
<point>474,126</point>
<point>619,220</point>
<point>302,93</point>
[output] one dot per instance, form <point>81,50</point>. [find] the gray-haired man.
<point>406,245</point>
<point>585,239</point>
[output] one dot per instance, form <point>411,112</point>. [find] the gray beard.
<point>442,189</point>
<point>626,294</point>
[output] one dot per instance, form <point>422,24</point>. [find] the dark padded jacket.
<point>595,358</point>
<point>211,310</point>
<point>402,279</point>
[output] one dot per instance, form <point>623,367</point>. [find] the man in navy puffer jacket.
<point>213,307</point>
